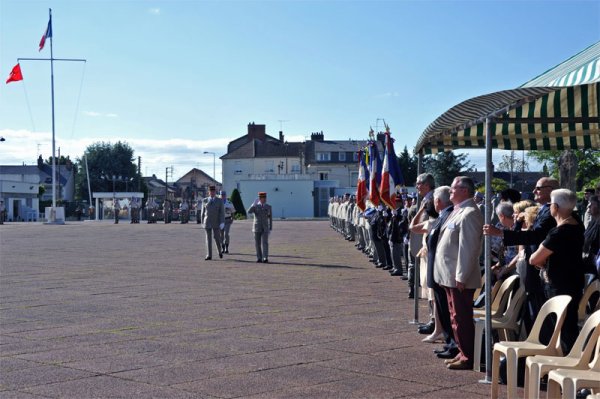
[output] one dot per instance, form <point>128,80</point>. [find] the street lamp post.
<point>214,163</point>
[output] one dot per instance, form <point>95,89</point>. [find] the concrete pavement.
<point>97,310</point>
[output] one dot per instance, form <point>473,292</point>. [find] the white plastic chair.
<point>592,288</point>
<point>508,321</point>
<point>531,346</point>
<point>573,380</point>
<point>500,294</point>
<point>578,358</point>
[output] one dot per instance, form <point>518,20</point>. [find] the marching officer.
<point>151,210</point>
<point>262,226</point>
<point>213,218</point>
<point>229,211</point>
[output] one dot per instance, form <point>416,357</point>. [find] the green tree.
<point>408,166</point>
<point>105,161</point>
<point>236,200</point>
<point>511,163</point>
<point>497,185</point>
<point>445,166</point>
<point>587,165</point>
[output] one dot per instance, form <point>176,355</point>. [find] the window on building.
<point>323,156</point>
<point>295,168</point>
<point>342,156</point>
<point>323,175</point>
<point>353,179</point>
<point>269,166</point>
<point>237,168</point>
<point>355,157</point>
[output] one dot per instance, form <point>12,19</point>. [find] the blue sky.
<point>177,78</point>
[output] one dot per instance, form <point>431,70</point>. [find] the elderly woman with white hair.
<point>559,258</point>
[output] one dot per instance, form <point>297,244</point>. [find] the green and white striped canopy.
<point>537,116</point>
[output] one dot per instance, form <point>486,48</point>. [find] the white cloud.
<point>95,114</point>
<point>388,94</point>
<point>154,11</point>
<point>22,146</point>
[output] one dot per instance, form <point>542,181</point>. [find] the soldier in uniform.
<point>198,210</point>
<point>167,211</point>
<point>134,205</point>
<point>184,212</point>
<point>213,218</point>
<point>229,211</point>
<point>151,210</point>
<point>262,226</point>
<point>116,209</point>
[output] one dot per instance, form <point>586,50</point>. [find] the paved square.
<point>97,310</point>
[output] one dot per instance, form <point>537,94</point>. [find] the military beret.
<point>262,194</point>
<point>212,188</point>
<point>222,192</point>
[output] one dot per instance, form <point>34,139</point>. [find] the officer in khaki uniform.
<point>262,226</point>
<point>229,212</point>
<point>213,218</point>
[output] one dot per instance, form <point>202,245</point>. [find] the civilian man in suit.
<point>425,185</point>
<point>262,226</point>
<point>213,218</point>
<point>456,266</point>
<point>533,237</point>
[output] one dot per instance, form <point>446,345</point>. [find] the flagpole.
<point>54,215</point>
<point>53,212</point>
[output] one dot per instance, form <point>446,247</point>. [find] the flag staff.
<point>52,218</point>
<point>53,211</point>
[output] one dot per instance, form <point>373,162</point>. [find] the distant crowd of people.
<point>551,243</point>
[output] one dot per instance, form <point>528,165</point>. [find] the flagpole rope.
<point>78,101</point>
<point>28,106</point>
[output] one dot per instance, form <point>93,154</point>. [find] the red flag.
<point>47,34</point>
<point>15,74</point>
<point>361,187</point>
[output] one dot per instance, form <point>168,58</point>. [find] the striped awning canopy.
<point>582,68</point>
<point>537,116</point>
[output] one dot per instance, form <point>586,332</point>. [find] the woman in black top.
<point>591,245</point>
<point>559,258</point>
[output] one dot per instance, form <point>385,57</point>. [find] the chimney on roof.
<point>381,137</point>
<point>256,132</point>
<point>317,136</point>
<point>281,136</point>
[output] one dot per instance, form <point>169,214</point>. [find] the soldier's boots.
<point>225,248</point>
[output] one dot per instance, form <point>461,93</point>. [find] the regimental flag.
<point>15,74</point>
<point>47,35</point>
<point>375,170</point>
<point>362,191</point>
<point>391,175</point>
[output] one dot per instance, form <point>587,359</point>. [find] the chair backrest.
<point>503,294</point>
<point>586,340</point>
<point>592,287</point>
<point>595,364</point>
<point>513,309</point>
<point>556,305</point>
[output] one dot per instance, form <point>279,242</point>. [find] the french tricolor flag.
<point>47,35</point>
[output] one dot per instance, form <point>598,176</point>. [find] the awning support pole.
<point>489,170</point>
<point>417,266</point>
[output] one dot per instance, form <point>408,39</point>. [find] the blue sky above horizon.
<point>177,78</point>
